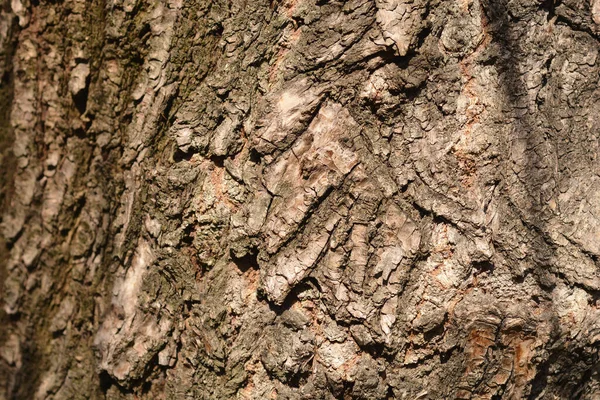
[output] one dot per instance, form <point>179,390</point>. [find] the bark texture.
<point>300,199</point>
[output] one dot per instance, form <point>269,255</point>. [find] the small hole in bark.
<point>57,334</point>
<point>80,133</point>
<point>433,333</point>
<point>246,262</point>
<point>188,235</point>
<point>377,350</point>
<point>80,99</point>
<point>145,30</point>
<point>484,266</point>
<point>180,155</point>
<point>14,317</point>
<point>446,355</point>
<point>217,29</point>
<point>136,59</point>
<point>254,156</point>
<point>519,276</point>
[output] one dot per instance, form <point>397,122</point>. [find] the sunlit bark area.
<point>299,199</point>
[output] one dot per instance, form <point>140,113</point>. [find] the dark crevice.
<point>412,93</point>
<point>390,393</point>
<point>423,212</point>
<point>146,387</point>
<point>79,133</point>
<point>219,161</point>
<point>378,350</point>
<point>348,389</point>
<point>306,284</point>
<point>540,381</point>
<point>181,155</point>
<point>389,56</point>
<point>299,378</point>
<point>144,32</point>
<point>549,7</point>
<point>247,261</point>
<point>80,99</point>
<point>188,235</point>
<point>438,331</point>
<point>254,156</point>
<point>106,381</point>
<point>446,355</point>
<point>27,378</point>
<point>483,266</point>
<point>423,34</point>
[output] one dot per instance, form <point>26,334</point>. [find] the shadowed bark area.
<point>299,199</point>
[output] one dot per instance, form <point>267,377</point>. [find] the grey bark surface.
<point>300,199</point>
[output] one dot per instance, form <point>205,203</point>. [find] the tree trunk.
<point>300,199</point>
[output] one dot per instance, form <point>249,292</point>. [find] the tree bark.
<point>300,199</point>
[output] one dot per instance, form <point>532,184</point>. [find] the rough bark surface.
<point>300,199</point>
